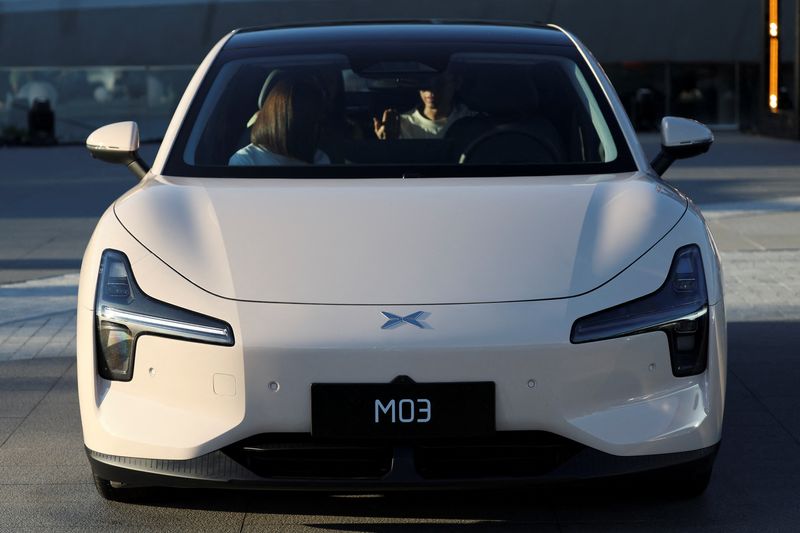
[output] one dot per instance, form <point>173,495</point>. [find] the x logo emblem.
<point>415,319</point>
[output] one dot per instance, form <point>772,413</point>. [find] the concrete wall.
<point>89,32</point>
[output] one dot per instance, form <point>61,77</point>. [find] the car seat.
<point>509,127</point>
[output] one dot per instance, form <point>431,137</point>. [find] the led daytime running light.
<point>165,326</point>
<point>123,313</point>
<point>682,298</point>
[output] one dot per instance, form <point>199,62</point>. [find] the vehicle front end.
<point>448,321</point>
<point>469,393</point>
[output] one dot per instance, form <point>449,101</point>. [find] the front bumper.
<point>618,396</point>
<point>188,400</point>
<point>299,463</point>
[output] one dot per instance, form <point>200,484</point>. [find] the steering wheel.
<point>509,145</point>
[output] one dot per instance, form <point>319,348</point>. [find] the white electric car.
<point>406,255</point>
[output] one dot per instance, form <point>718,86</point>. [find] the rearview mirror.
<point>118,143</point>
<point>681,138</point>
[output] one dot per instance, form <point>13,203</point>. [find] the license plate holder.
<point>402,410</point>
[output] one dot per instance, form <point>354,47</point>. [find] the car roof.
<point>375,32</point>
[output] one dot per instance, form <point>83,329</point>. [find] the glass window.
<point>351,115</point>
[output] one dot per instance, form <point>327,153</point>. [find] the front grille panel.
<point>508,454</point>
<point>301,457</point>
<point>505,455</point>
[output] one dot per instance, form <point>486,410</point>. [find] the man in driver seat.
<point>438,112</point>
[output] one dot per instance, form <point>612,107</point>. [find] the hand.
<point>389,126</point>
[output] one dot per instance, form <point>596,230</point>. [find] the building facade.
<point>729,63</point>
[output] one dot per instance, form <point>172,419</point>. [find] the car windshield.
<point>460,113</point>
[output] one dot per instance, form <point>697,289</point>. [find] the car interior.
<point>519,114</point>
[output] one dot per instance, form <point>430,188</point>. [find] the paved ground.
<point>50,200</point>
<point>749,189</point>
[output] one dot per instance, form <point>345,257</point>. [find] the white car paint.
<point>277,259</point>
<point>682,132</point>
<point>120,137</point>
<point>174,413</point>
<point>430,241</point>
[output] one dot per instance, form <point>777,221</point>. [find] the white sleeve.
<point>408,128</point>
<point>321,158</point>
<point>240,159</point>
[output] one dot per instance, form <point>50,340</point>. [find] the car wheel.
<point>112,492</point>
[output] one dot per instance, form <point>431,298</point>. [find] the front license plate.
<point>402,410</point>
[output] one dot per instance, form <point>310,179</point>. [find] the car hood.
<point>395,242</point>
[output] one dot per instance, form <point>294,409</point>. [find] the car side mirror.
<point>681,138</point>
<point>118,143</point>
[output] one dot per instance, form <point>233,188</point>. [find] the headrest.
<point>500,91</point>
<point>269,83</point>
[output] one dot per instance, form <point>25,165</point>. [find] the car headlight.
<point>679,308</point>
<point>123,313</point>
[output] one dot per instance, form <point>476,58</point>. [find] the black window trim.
<point>175,166</point>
